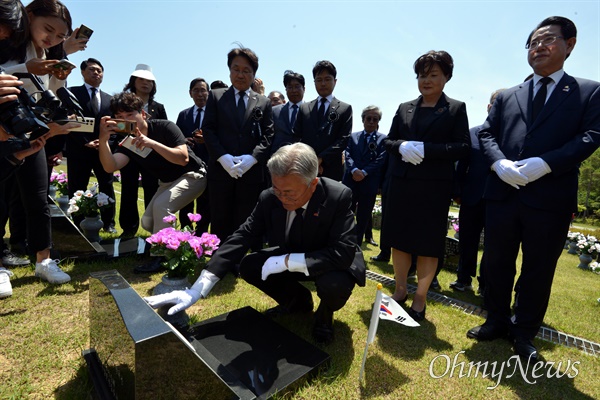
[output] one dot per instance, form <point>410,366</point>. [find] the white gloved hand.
<point>273,265</point>
<point>228,163</point>
<point>183,299</point>
<point>507,171</point>
<point>245,162</point>
<point>420,149</point>
<point>533,168</point>
<point>410,153</point>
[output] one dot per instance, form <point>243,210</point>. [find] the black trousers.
<point>510,225</point>
<point>472,220</point>
<point>333,287</point>
<point>79,168</point>
<point>231,203</point>
<point>129,218</point>
<point>363,200</point>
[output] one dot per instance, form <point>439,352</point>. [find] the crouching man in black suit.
<point>310,227</point>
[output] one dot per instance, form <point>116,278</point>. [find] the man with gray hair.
<point>309,226</point>
<point>365,157</point>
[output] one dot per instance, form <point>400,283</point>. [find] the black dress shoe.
<point>380,258</point>
<point>127,234</point>
<point>323,333</point>
<point>150,267</point>
<point>525,349</point>
<point>403,301</point>
<point>417,315</point>
<point>371,242</point>
<point>487,332</point>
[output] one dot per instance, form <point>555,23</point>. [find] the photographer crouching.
<point>160,147</point>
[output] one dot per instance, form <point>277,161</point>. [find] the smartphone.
<point>84,32</point>
<point>65,65</point>
<point>125,126</point>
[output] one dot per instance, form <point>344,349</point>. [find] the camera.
<point>125,126</point>
<point>26,119</point>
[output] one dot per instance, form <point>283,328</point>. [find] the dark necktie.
<point>294,113</point>
<point>295,233</point>
<point>540,98</point>
<point>198,119</point>
<point>241,107</point>
<point>321,111</point>
<point>94,101</point>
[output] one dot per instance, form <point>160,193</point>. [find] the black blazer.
<point>156,110</point>
<point>358,155</point>
<point>283,127</point>
<point>185,122</point>
<point>223,133</point>
<point>565,133</point>
<point>329,139</point>
<point>329,235</point>
<point>76,140</point>
<point>445,139</point>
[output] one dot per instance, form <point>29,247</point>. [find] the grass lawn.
<point>44,328</point>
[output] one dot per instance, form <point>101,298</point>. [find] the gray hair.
<point>371,108</point>
<point>297,158</point>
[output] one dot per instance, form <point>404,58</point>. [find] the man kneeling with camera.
<point>160,147</point>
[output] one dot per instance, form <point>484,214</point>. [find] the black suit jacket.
<point>565,133</point>
<point>156,110</point>
<point>329,139</point>
<point>283,127</point>
<point>223,133</point>
<point>185,122</point>
<point>358,155</point>
<point>329,235</point>
<point>76,140</point>
<point>445,139</point>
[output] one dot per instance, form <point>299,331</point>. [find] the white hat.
<point>144,71</point>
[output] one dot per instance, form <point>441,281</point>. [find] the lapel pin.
<point>566,88</point>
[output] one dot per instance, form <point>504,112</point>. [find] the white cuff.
<point>206,281</point>
<point>297,263</point>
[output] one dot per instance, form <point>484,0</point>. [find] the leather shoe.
<point>417,315</point>
<point>150,267</point>
<point>127,234</point>
<point>371,242</point>
<point>380,258</point>
<point>322,333</point>
<point>525,349</point>
<point>487,332</point>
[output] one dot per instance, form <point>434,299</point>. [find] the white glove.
<point>273,265</point>
<point>533,168</point>
<point>228,163</point>
<point>183,299</point>
<point>507,171</point>
<point>245,162</point>
<point>410,153</point>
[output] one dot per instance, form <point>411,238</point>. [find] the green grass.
<point>44,328</point>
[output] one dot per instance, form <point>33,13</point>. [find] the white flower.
<point>72,209</point>
<point>79,193</point>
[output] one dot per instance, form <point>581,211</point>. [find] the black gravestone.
<point>135,354</point>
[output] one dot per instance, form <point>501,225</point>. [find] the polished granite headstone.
<point>135,354</point>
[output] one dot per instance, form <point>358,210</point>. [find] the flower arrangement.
<point>377,207</point>
<point>452,221</point>
<point>182,249</point>
<point>589,245</point>
<point>88,203</point>
<point>60,182</point>
<point>595,267</point>
<point>574,236</point>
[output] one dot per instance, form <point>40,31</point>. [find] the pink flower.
<point>194,217</point>
<point>170,219</point>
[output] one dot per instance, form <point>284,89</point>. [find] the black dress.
<point>418,196</point>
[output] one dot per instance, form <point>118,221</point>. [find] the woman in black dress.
<point>427,136</point>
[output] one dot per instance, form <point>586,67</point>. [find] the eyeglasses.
<point>547,41</point>
<point>372,119</point>
<point>287,195</point>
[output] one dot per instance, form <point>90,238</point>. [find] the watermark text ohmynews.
<point>443,366</point>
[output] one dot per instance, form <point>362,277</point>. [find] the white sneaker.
<point>50,271</point>
<point>5,286</point>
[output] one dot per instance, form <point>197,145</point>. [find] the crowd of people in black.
<point>291,174</point>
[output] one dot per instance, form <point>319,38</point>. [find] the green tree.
<point>589,185</point>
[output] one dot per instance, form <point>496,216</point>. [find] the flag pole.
<point>372,328</point>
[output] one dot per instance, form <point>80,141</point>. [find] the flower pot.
<point>63,203</point>
<point>90,226</point>
<point>168,285</point>
<point>376,221</point>
<point>567,243</point>
<point>52,191</point>
<point>573,248</point>
<point>584,261</point>
<point>456,235</point>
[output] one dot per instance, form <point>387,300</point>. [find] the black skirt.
<point>415,215</point>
